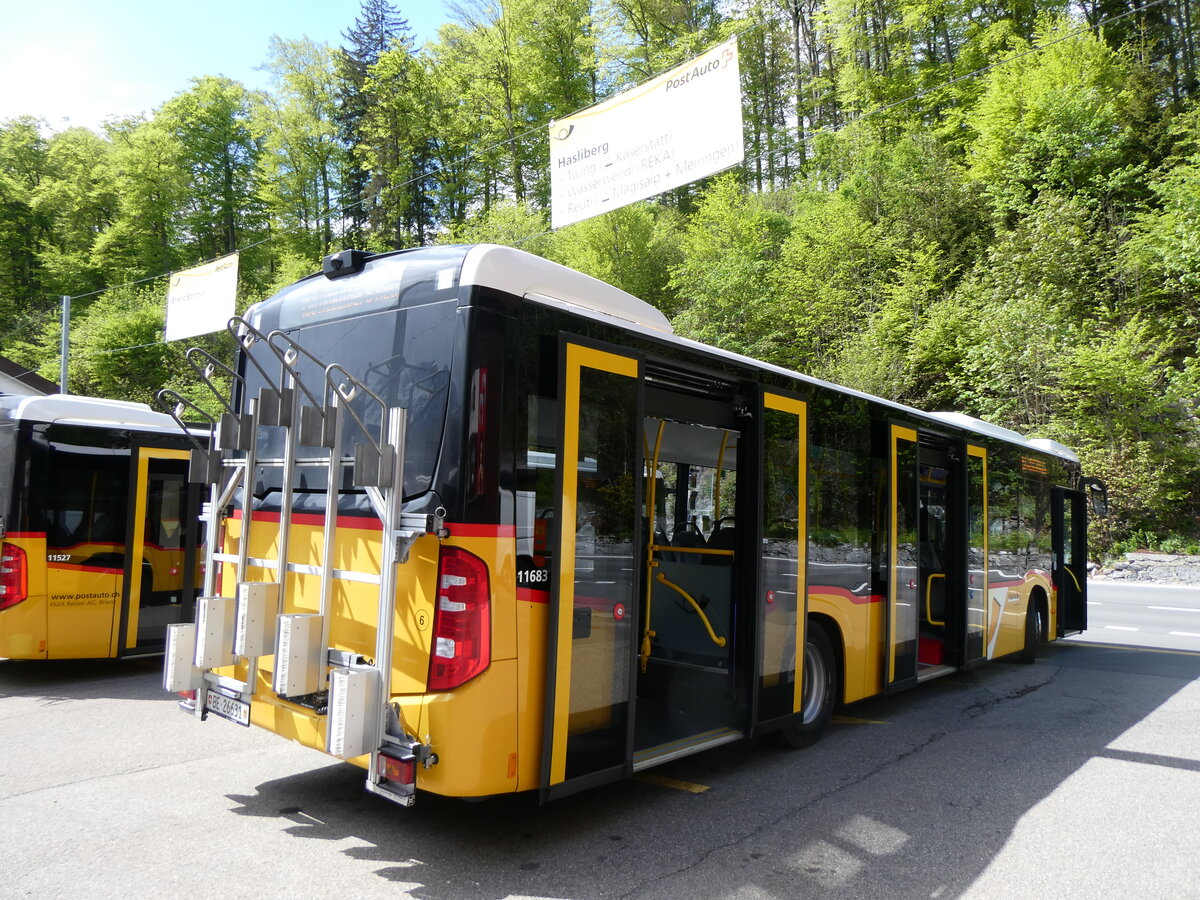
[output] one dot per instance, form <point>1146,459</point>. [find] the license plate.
<point>228,708</point>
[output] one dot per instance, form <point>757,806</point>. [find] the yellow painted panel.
<point>23,627</point>
<point>861,648</point>
<point>81,606</point>
<point>474,733</point>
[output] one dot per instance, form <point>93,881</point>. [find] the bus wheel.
<point>820,690</point>
<point>1034,630</point>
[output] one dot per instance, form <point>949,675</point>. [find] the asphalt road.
<point>1147,615</point>
<point>1078,776</point>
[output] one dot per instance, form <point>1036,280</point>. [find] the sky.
<point>80,62</point>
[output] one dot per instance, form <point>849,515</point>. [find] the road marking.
<point>1185,633</point>
<point>1120,628</point>
<point>1176,608</point>
<point>1094,603</point>
<point>852,720</point>
<point>663,781</point>
<point>1125,648</point>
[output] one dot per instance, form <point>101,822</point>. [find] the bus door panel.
<point>904,594</point>
<point>84,507</point>
<point>594,588</point>
<point>160,575</point>
<point>1069,534</point>
<point>977,555</point>
<point>783,604</point>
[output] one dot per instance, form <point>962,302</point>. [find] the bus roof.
<point>548,283</point>
<point>74,410</point>
<point>491,265</point>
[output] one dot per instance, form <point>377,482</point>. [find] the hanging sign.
<point>659,135</point>
<point>202,300</point>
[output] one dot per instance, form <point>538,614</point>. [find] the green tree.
<point>730,248</point>
<point>23,165</point>
<point>1131,417</point>
<point>509,223</point>
<point>1030,296</point>
<point>303,162</point>
<point>635,248</point>
<point>832,277</point>
<point>216,146</point>
<point>151,180</point>
<point>378,28</point>
<point>78,200</point>
<point>396,147</point>
<point>1056,120</point>
<point>1161,259</point>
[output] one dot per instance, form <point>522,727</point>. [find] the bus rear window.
<point>8,462</point>
<point>402,355</point>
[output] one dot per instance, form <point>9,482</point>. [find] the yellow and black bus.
<point>95,506</point>
<point>485,525</point>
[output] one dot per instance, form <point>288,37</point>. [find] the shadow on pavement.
<point>912,795</point>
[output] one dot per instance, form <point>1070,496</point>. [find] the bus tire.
<point>1034,630</point>
<point>820,690</point>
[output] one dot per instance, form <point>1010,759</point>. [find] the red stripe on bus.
<point>74,568</point>
<point>370,523</point>
<point>481,531</point>
<point>845,594</point>
<point>26,535</point>
<point>533,595</point>
<point>363,523</point>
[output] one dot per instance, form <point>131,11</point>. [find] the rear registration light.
<point>14,575</point>
<point>462,646</point>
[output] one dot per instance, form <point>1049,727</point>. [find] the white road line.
<point>1120,628</point>
<point>1185,633</point>
<point>1176,608</point>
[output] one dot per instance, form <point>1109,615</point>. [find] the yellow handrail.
<point>652,506</point>
<point>929,600</point>
<point>716,639</point>
<point>717,486</point>
<point>703,551</point>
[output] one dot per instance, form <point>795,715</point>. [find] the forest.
<point>988,206</point>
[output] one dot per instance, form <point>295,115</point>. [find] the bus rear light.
<point>14,575</point>
<point>461,620</point>
<point>397,770</point>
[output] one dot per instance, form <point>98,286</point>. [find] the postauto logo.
<point>699,71</point>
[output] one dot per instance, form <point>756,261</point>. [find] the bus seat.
<point>724,537</point>
<point>686,535</point>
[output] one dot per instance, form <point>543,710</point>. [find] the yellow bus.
<point>482,524</point>
<point>96,560</point>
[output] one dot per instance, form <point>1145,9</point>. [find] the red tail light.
<point>462,627</point>
<point>14,575</point>
<point>397,770</point>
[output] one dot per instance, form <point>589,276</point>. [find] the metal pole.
<point>66,343</point>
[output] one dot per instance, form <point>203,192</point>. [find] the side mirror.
<point>1097,494</point>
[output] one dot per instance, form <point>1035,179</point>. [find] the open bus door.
<point>1068,524</point>
<point>588,735</point>
<point>159,585</point>
<point>903,570</point>
<point>977,556</point>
